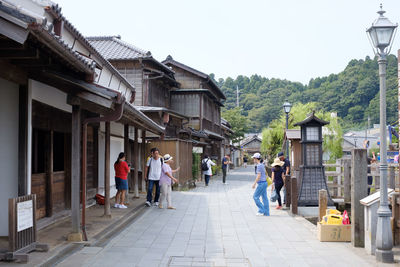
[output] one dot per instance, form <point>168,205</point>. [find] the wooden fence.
<point>22,234</point>
<point>339,180</point>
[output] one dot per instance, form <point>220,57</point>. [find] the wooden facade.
<point>199,98</point>
<point>181,151</point>
<point>64,87</point>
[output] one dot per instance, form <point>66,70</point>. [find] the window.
<point>312,154</point>
<point>312,133</point>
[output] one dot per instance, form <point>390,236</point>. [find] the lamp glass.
<point>287,107</point>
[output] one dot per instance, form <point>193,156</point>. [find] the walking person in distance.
<point>225,165</point>
<point>121,169</point>
<point>261,189</point>
<point>153,175</point>
<point>166,181</point>
<point>206,164</point>
<point>277,179</point>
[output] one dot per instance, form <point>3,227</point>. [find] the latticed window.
<point>312,133</point>
<point>312,154</point>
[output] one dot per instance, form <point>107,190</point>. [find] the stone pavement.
<point>217,226</point>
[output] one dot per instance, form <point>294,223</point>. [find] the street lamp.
<point>381,34</point>
<point>287,107</point>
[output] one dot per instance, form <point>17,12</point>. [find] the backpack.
<point>204,165</point>
<point>148,171</point>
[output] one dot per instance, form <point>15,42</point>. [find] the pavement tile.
<point>217,226</point>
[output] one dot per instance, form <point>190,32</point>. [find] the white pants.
<point>166,192</point>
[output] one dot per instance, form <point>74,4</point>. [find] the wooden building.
<point>294,137</point>
<point>153,83</point>
<point>53,84</point>
<point>252,145</point>
<point>199,98</point>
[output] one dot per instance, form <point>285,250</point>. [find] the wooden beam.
<point>144,160</point>
<point>128,159</point>
<point>136,165</point>
<point>18,53</point>
<point>76,168</point>
<point>13,73</point>
<point>107,208</point>
<point>23,141</point>
<point>49,148</point>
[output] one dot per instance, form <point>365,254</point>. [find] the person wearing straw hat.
<point>261,190</point>
<point>277,179</point>
<point>166,181</point>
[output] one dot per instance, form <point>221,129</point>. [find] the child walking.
<point>166,181</point>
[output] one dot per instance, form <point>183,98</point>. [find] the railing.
<point>339,180</point>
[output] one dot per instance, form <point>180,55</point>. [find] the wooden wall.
<point>181,151</point>
<point>186,103</point>
<point>133,72</point>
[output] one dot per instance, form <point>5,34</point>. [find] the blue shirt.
<point>261,169</point>
<point>223,163</point>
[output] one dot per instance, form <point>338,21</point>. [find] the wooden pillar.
<point>107,209</point>
<point>136,165</point>
<point>288,191</point>
<point>23,141</point>
<point>322,203</point>
<point>293,190</point>
<point>392,177</point>
<point>347,180</point>
<point>76,234</point>
<point>144,189</point>
<point>339,178</point>
<point>49,173</point>
<point>128,159</point>
<point>359,170</point>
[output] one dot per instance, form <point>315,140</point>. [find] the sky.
<point>286,39</point>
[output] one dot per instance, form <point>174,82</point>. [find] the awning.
<point>214,135</point>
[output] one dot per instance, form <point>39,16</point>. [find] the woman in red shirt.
<point>121,180</point>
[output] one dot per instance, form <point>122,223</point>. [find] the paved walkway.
<point>217,226</point>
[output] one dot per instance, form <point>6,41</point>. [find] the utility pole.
<point>237,96</point>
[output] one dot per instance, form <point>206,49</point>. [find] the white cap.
<point>256,155</point>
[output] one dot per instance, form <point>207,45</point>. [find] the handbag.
<point>274,196</point>
<point>269,181</point>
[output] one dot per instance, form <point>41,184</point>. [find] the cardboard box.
<point>334,233</point>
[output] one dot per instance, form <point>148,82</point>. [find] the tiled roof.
<point>55,11</point>
<point>113,48</point>
<point>170,61</point>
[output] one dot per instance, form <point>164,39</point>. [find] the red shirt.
<point>121,170</point>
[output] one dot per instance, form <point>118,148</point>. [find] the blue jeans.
<point>207,178</point>
<point>261,191</point>
<point>150,190</point>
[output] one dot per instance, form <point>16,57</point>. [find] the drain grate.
<point>208,262</point>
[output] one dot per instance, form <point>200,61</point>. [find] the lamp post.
<point>287,107</point>
<point>381,35</point>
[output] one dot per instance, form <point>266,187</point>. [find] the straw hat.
<point>277,162</point>
<point>167,157</point>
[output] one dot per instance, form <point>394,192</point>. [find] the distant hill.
<point>352,93</point>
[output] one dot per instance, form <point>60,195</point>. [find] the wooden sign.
<point>24,215</point>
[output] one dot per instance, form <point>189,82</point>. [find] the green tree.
<point>238,123</point>
<point>272,137</point>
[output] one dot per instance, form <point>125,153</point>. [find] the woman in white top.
<point>207,173</point>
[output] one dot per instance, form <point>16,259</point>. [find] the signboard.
<point>24,215</point>
<point>197,149</point>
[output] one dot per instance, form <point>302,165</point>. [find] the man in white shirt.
<point>153,174</point>
<point>207,173</point>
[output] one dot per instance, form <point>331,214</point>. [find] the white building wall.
<point>9,103</point>
<point>49,95</point>
<point>116,146</point>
